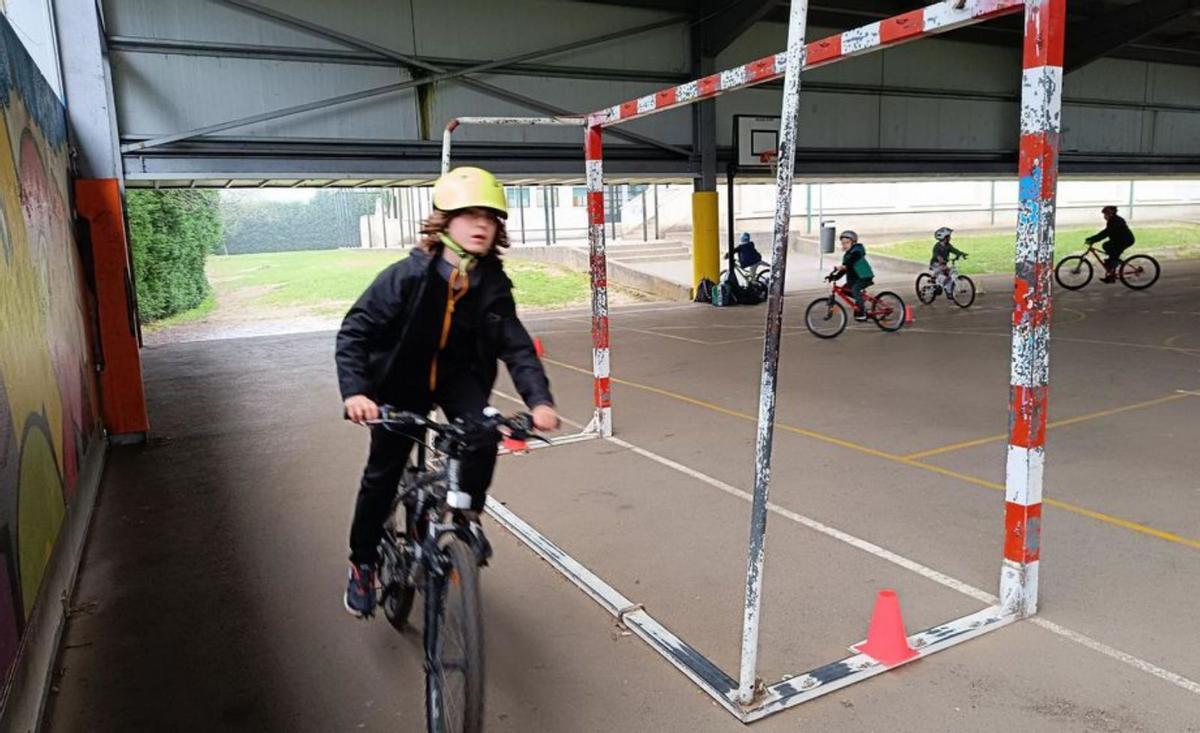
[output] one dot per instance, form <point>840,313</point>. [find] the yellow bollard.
<point>706,259</point>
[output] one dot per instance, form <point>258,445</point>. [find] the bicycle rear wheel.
<point>926,291</point>
<point>825,317</point>
<point>1139,272</point>
<point>887,311</point>
<point>964,291</point>
<point>454,644</point>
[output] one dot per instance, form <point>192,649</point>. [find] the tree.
<point>172,233</point>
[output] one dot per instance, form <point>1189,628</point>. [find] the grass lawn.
<point>199,313</point>
<point>328,281</point>
<point>994,252</point>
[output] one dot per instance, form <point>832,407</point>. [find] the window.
<point>517,196</point>
<point>579,196</point>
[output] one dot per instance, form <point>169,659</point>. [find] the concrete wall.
<point>50,444</point>
<point>906,206</point>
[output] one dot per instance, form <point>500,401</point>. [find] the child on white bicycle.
<point>939,261</point>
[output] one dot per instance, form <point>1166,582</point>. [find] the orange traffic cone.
<point>886,640</point>
<point>538,348</point>
<point>908,313</point>
<point>515,446</point>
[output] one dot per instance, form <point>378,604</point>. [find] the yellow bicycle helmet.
<point>468,187</point>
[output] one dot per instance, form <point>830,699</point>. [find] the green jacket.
<point>855,262</point>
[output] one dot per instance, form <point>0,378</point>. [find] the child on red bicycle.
<point>858,272</point>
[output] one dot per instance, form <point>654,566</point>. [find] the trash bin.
<point>828,237</point>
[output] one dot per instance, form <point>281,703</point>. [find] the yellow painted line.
<point>735,413</point>
<point>909,461</point>
<point>1053,424</point>
<point>1067,506</point>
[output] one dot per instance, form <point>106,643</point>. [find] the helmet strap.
<point>466,260</point>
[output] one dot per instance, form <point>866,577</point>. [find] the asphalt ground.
<point>210,592</point>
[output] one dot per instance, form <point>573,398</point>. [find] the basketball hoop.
<point>770,159</point>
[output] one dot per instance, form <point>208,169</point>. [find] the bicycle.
<point>826,317</point>
<point>962,288</point>
<point>1137,272</point>
<point>758,274</point>
<point>438,548</point>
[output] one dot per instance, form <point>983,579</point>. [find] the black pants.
<point>1114,256</point>
<point>856,288</point>
<point>388,457</point>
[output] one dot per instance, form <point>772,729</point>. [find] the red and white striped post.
<point>1041,105</point>
<point>602,393</point>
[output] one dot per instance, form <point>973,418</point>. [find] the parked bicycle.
<point>1137,272</point>
<point>437,547</point>
<point>960,289</point>
<point>826,317</point>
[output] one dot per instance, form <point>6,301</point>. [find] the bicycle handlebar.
<point>519,426</point>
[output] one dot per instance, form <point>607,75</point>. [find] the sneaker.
<point>360,591</point>
<point>860,316</point>
<point>1108,279</point>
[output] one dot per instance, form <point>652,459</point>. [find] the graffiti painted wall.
<point>48,403</point>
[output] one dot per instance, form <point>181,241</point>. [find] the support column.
<point>99,192</point>
<point>1041,103</point>
<point>705,217</point>
<point>122,399</point>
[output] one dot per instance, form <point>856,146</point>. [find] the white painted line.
<point>1117,654</point>
<point>837,534</point>
<point>916,567</point>
<point>1188,391</point>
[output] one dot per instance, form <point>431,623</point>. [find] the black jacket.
<point>373,334</point>
<point>1116,232</point>
<point>942,251</point>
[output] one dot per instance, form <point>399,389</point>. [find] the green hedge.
<point>254,224</point>
<point>172,233</point>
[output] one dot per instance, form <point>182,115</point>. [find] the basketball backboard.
<point>753,136</point>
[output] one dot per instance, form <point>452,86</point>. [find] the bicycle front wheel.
<point>454,644</point>
<point>926,288</point>
<point>1139,272</point>
<point>1073,272</point>
<point>964,291</point>
<point>825,318</point>
<point>888,311</point>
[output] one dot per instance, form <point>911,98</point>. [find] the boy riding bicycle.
<point>749,258</point>
<point>428,332</point>
<point>858,272</point>
<point>939,261</point>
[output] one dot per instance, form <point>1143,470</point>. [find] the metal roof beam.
<point>462,75</point>
<point>1089,40</point>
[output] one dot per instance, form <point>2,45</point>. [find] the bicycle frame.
<point>1099,255</point>
<point>844,293</point>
